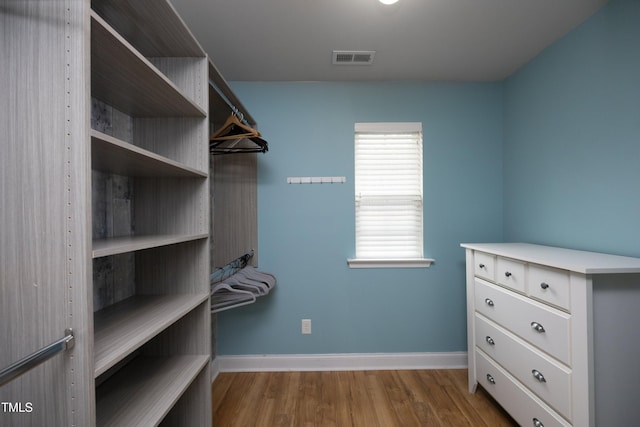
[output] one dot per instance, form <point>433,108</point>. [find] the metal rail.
<point>27,363</point>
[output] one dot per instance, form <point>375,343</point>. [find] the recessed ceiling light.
<point>388,1</point>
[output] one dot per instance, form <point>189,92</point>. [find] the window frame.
<point>390,128</point>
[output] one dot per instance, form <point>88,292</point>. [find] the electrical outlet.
<point>306,326</point>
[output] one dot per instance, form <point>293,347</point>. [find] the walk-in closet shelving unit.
<point>155,343</point>
<point>152,348</point>
<point>98,96</point>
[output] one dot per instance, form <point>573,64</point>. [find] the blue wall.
<point>572,138</point>
<point>306,232</point>
<point>551,156</point>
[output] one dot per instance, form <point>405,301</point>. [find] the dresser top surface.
<point>566,259</point>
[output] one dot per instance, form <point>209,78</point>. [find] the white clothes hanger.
<point>224,297</point>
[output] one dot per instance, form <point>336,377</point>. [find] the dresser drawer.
<point>548,379</point>
<point>550,285</point>
<point>543,326</point>
<point>510,273</point>
<point>523,405</point>
<point>485,265</point>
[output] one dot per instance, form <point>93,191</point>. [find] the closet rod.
<point>217,82</point>
<point>27,363</point>
<point>235,110</point>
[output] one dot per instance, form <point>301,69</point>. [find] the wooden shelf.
<point>121,245</point>
<point>109,154</point>
<point>125,326</point>
<point>152,26</point>
<point>123,78</point>
<point>144,391</point>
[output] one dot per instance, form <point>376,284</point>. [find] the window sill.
<point>391,263</point>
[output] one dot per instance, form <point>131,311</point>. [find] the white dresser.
<point>554,334</point>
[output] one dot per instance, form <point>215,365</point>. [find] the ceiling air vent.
<point>353,57</point>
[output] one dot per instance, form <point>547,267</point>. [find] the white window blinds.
<point>388,190</point>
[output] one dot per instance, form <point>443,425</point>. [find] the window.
<point>388,195</point>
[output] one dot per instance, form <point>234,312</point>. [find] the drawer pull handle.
<point>488,302</point>
<point>537,423</point>
<point>490,340</point>
<point>544,285</point>
<point>490,379</point>
<point>507,273</point>
<point>538,327</point>
<point>538,375</point>
<point>481,265</point>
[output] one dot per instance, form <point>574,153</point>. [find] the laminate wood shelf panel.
<point>153,26</point>
<point>121,245</point>
<point>125,79</point>
<point>144,391</point>
<point>125,326</point>
<point>109,154</point>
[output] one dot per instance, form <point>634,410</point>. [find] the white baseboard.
<point>340,362</point>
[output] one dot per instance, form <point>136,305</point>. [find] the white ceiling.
<point>463,40</point>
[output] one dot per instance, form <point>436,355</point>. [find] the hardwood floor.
<point>403,398</point>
